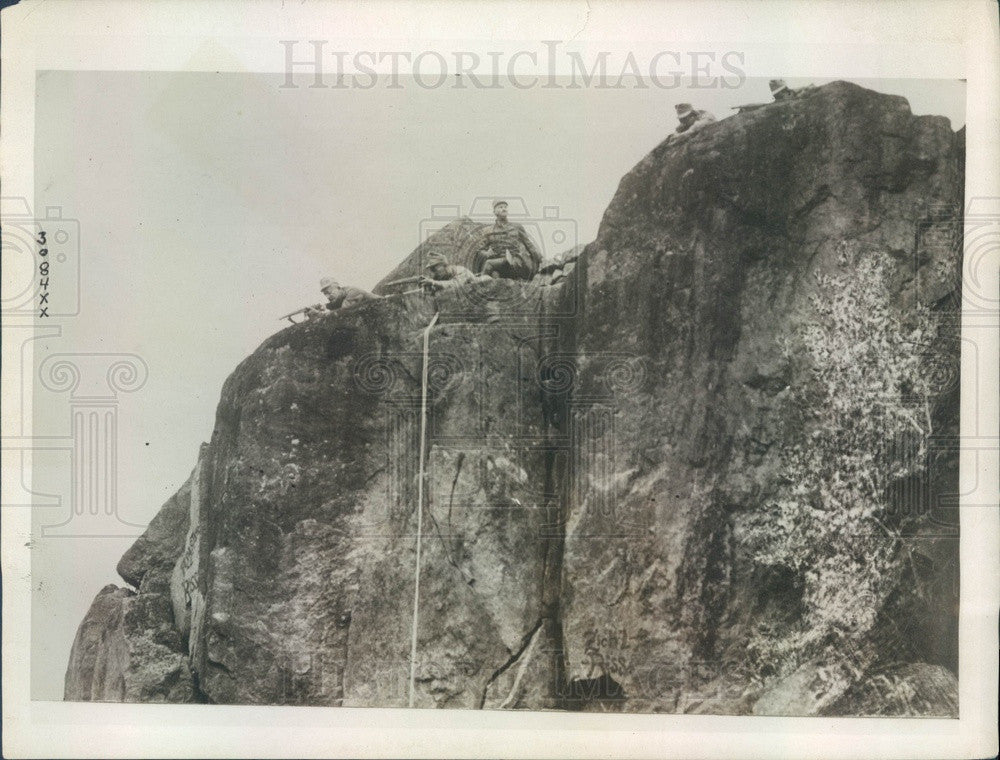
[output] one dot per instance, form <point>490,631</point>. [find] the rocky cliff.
<point>598,449</point>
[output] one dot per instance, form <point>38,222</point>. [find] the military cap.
<point>328,282</point>
<point>498,201</point>
<point>434,258</point>
<point>777,86</point>
<point>683,110</point>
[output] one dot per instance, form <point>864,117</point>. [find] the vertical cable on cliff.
<point>420,511</point>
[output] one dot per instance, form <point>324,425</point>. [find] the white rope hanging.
<point>420,513</point>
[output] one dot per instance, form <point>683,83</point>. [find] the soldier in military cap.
<point>339,297</point>
<point>780,90</point>
<point>691,120</point>
<point>445,275</point>
<point>509,252</point>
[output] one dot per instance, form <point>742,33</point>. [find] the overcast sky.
<point>210,204</point>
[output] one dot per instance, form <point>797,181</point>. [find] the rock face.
<point>917,690</point>
<point>127,650</point>
<point>593,442</point>
<point>703,264</point>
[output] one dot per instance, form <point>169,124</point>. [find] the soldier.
<point>445,275</point>
<point>338,297</point>
<point>690,119</point>
<point>509,252</point>
<point>780,90</point>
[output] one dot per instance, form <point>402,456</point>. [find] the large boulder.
<point>594,444</point>
<point>702,269</point>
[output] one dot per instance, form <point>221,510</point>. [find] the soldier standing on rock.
<point>509,252</point>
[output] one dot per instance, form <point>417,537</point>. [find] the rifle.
<point>422,279</point>
<point>300,311</point>
<point>748,107</point>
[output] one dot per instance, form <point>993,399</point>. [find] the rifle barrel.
<point>293,313</point>
<point>406,293</point>
<point>404,281</point>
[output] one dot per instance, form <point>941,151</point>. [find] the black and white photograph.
<point>609,369</point>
